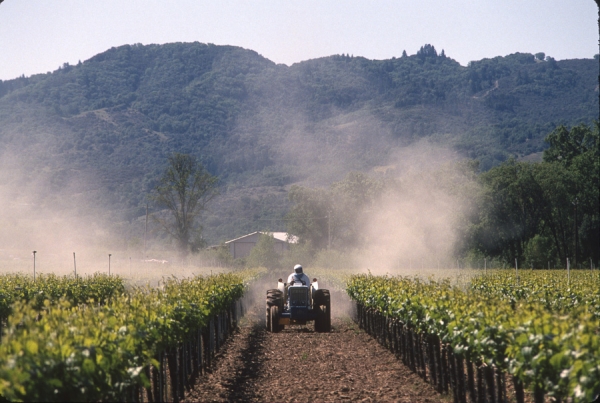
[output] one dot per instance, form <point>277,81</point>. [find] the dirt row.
<point>300,365</point>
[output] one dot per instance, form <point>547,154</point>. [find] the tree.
<point>308,216</point>
<point>427,51</point>
<point>574,183</point>
<point>263,254</point>
<point>184,190</point>
<point>511,209</point>
<point>566,145</point>
<point>547,211</point>
<point>332,216</point>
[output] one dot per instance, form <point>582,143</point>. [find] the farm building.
<point>241,247</point>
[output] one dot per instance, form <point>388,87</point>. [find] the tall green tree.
<point>568,144</point>
<point>558,190</point>
<point>511,210</point>
<point>184,190</point>
<point>544,211</point>
<point>575,156</point>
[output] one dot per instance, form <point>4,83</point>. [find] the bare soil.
<point>300,365</point>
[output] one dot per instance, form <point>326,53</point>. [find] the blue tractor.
<point>297,304</point>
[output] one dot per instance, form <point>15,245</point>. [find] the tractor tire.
<point>274,297</point>
<point>274,320</point>
<point>323,305</point>
<point>319,320</point>
<point>268,318</point>
<point>327,313</point>
<point>318,297</point>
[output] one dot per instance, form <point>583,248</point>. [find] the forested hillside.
<point>101,130</point>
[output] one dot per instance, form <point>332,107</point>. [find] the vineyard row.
<point>471,342</point>
<point>142,345</point>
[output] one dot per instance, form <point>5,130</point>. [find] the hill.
<point>98,133</point>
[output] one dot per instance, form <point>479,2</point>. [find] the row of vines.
<point>67,342</point>
<point>497,340</point>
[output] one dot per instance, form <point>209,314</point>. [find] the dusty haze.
<point>416,225</point>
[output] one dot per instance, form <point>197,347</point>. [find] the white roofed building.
<point>241,247</point>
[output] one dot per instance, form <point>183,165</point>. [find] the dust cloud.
<point>416,226</point>
<point>56,218</point>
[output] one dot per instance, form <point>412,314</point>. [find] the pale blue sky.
<point>37,36</point>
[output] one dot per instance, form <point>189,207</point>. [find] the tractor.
<point>297,304</point>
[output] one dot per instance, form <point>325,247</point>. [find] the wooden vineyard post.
<point>155,385</point>
<point>406,346</point>
<point>212,339</point>
<point>445,367</point>
<point>206,341</point>
<point>480,384</point>
<point>431,360</point>
<point>519,392</point>
<point>172,363</point>
<point>488,373</point>
<point>500,385</point>
<point>181,370</point>
<point>148,372</point>
<point>452,373</point>
<point>395,344</point>
<point>162,378</point>
<point>422,355</point>
<point>439,364</point>
<point>471,381</point>
<point>538,394</point>
<point>460,378</point>
<point>202,351</point>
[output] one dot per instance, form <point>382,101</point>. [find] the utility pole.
<point>146,231</point>
<point>329,230</point>
<point>109,255</point>
<point>575,203</point>
<point>34,252</point>
<point>74,265</point>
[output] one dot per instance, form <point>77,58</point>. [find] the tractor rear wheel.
<point>327,313</point>
<point>274,298</point>
<point>318,297</point>
<point>274,319</point>
<point>322,303</point>
<point>268,318</point>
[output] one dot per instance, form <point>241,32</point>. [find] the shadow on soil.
<point>242,387</point>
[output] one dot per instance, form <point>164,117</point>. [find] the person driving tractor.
<point>298,276</point>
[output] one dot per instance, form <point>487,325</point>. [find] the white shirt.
<point>298,278</point>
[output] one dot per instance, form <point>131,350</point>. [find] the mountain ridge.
<point>261,125</point>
